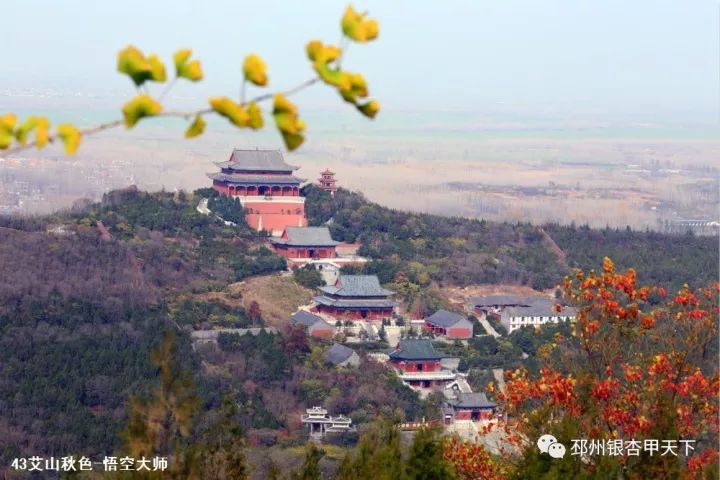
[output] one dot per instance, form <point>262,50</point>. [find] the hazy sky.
<point>642,59</point>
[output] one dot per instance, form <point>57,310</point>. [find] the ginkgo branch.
<point>172,114</point>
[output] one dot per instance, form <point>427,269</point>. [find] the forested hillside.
<point>85,296</point>
<point>461,251</point>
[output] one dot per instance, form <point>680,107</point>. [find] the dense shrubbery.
<point>450,250</point>
<point>229,209</point>
<point>461,251</point>
<point>193,312</point>
<point>308,276</point>
<point>669,260</point>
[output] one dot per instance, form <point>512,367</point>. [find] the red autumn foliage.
<point>634,370</point>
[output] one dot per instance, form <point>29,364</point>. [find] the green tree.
<point>310,469</point>
<point>308,276</point>
<point>161,423</point>
<point>220,450</point>
<point>377,455</point>
<point>425,461</point>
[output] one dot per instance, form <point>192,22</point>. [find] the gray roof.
<point>263,160</point>
<point>472,400</point>
<point>539,308</point>
<point>354,303</point>
<point>255,178</point>
<point>357,286</point>
<point>338,353</point>
<point>411,349</point>
<point>445,319</point>
<point>308,236</point>
<point>306,318</point>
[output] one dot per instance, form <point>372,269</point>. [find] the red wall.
<point>411,366</point>
<point>467,414</point>
<point>459,333</point>
<point>352,314</point>
<point>304,252</point>
<point>321,332</point>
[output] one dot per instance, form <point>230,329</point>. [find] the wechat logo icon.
<point>549,444</point>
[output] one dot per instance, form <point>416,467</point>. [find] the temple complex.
<point>355,297</point>
<point>265,186</point>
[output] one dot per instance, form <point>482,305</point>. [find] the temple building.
<point>418,365</point>
<point>355,297</point>
<point>314,326</point>
<point>314,245</point>
<point>308,243</point>
<point>468,406</point>
<point>321,423</point>
<point>265,186</point>
<point>327,181</point>
<point>449,324</point>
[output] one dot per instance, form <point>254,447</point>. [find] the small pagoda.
<point>327,181</point>
<point>266,187</point>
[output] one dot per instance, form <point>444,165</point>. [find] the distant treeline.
<point>462,251</point>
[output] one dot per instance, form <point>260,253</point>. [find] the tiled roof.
<point>306,318</point>
<point>411,349</point>
<point>357,286</point>
<point>539,308</point>
<point>445,319</point>
<point>261,160</point>
<point>308,236</point>
<point>338,353</point>
<point>354,303</point>
<point>472,400</point>
<point>252,179</point>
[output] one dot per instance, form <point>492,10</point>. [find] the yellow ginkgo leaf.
<point>256,119</point>
<point>322,56</point>
<point>7,127</point>
<point>255,70</point>
<point>140,107</point>
<point>24,130</point>
<point>357,27</point>
<point>42,132</point>
<point>157,68</point>
<point>185,69</point>
<point>286,119</point>
<point>133,63</point>
<point>369,109</point>
<point>70,136</point>
<point>196,128</point>
<point>230,110</point>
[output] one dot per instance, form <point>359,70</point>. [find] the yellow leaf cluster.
<point>256,119</point>
<point>9,132</point>
<point>133,63</point>
<point>140,107</point>
<point>70,136</point>
<point>350,86</point>
<point>184,68</point>
<point>40,125</point>
<point>286,118</point>
<point>357,27</point>
<point>233,111</point>
<point>7,127</point>
<point>255,70</point>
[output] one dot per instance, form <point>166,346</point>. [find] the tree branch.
<point>171,114</point>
